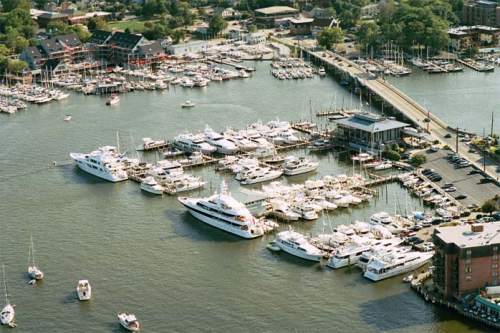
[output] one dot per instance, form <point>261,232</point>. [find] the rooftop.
<point>51,45</point>
<point>463,237</point>
<point>124,40</point>
<point>300,20</point>
<point>370,122</point>
<point>100,36</point>
<point>70,40</point>
<point>276,10</point>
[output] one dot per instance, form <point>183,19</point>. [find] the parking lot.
<point>466,184</point>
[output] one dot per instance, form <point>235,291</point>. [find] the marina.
<point>162,233</point>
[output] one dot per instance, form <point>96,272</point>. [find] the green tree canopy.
<point>369,35</point>
<point>95,23</point>
<point>330,36</point>
<point>489,206</point>
<point>417,160</point>
<point>217,24</point>
<point>16,66</point>
<point>9,5</point>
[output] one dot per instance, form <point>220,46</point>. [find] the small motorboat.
<point>172,153</point>
<point>272,246</point>
<point>129,321</point>
<point>84,290</point>
<point>67,118</point>
<point>187,104</point>
<point>408,278</point>
<point>7,315</point>
<point>113,99</point>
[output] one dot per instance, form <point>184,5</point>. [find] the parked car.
<point>461,196</point>
<point>447,135</point>
<point>473,172</point>
<point>485,180</point>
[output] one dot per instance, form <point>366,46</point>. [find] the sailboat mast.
<point>32,251</point>
<point>5,284</point>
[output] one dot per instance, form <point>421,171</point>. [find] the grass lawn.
<point>136,25</point>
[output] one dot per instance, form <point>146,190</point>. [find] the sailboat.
<point>33,271</point>
<point>7,314</point>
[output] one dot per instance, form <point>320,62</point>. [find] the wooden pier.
<point>476,66</point>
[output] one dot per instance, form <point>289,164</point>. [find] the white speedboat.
<point>84,290</point>
<point>224,212</point>
<point>190,143</point>
<point>67,118</point>
<point>281,210</point>
<point>8,314</point>
<point>150,185</point>
<point>263,175</point>
<point>306,211</point>
<point>297,245</point>
<point>362,157</point>
<point>298,165</point>
<point>129,321</point>
<point>148,144</point>
<point>223,145</point>
<point>113,100</point>
<point>383,166</point>
<point>33,271</point>
<point>105,163</point>
<point>395,264</point>
<point>184,183</point>
<point>321,71</point>
<point>188,104</point>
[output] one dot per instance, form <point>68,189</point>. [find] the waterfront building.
<point>266,16</point>
<point>83,19</point>
<point>300,25</point>
<point>481,12</point>
<point>466,258</point>
<point>477,35</point>
<point>368,131</point>
<point>45,18</point>
<point>255,38</point>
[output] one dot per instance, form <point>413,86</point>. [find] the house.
<point>52,48</point>
<point>227,13</point>
<point>464,37</point>
<point>44,19</point>
<point>466,258</point>
<point>300,25</point>
<point>122,46</point>
<point>368,131</point>
<point>459,39</point>
<point>33,57</point>
<point>266,16</point>
<point>150,50</point>
<point>83,19</point>
<point>369,11</point>
<point>73,47</point>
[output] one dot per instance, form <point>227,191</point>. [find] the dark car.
<point>446,185</point>
<point>461,196</point>
<point>473,172</point>
<point>485,180</point>
<point>447,135</point>
<point>437,220</point>
<point>427,171</point>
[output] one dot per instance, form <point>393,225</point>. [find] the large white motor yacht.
<point>396,263</point>
<point>224,212</point>
<point>298,165</point>
<point>261,175</point>
<point>377,252</point>
<point>191,143</point>
<point>223,145</point>
<point>297,245</point>
<point>105,163</point>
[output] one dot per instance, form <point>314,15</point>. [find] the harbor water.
<point>147,255</point>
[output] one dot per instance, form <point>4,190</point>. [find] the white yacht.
<point>306,211</point>
<point>262,175</point>
<point>150,185</point>
<point>8,314</point>
<point>105,163</point>
<point>351,253</point>
<point>362,157</point>
<point>297,245</point>
<point>84,290</point>
<point>396,263</point>
<point>191,143</point>
<point>148,144</point>
<point>386,220</point>
<point>33,271</point>
<point>298,165</point>
<point>380,251</point>
<point>281,210</point>
<point>129,321</point>
<point>113,100</point>
<point>223,145</point>
<point>182,184</point>
<point>224,212</point>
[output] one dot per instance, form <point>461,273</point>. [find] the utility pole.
<point>484,152</point>
<point>492,115</point>
<point>456,141</point>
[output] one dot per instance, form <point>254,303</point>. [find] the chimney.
<point>477,228</point>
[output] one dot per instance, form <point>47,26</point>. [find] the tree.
<point>81,31</point>
<point>4,50</point>
<point>252,28</point>
<point>178,35</point>
<point>9,5</point>
<point>391,155</point>
<point>369,35</point>
<point>16,66</point>
<point>97,23</point>
<point>489,206</point>
<point>330,36</point>
<point>40,4</point>
<point>217,24</point>
<point>418,159</point>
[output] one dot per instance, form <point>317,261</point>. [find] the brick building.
<point>466,258</point>
<point>481,12</point>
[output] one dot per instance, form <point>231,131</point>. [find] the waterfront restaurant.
<point>466,258</point>
<point>368,131</point>
<point>266,16</point>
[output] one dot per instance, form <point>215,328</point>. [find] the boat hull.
<point>103,175</point>
<point>297,253</point>
<point>398,271</point>
<point>204,217</point>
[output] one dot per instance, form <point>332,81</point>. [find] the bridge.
<point>405,105</point>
